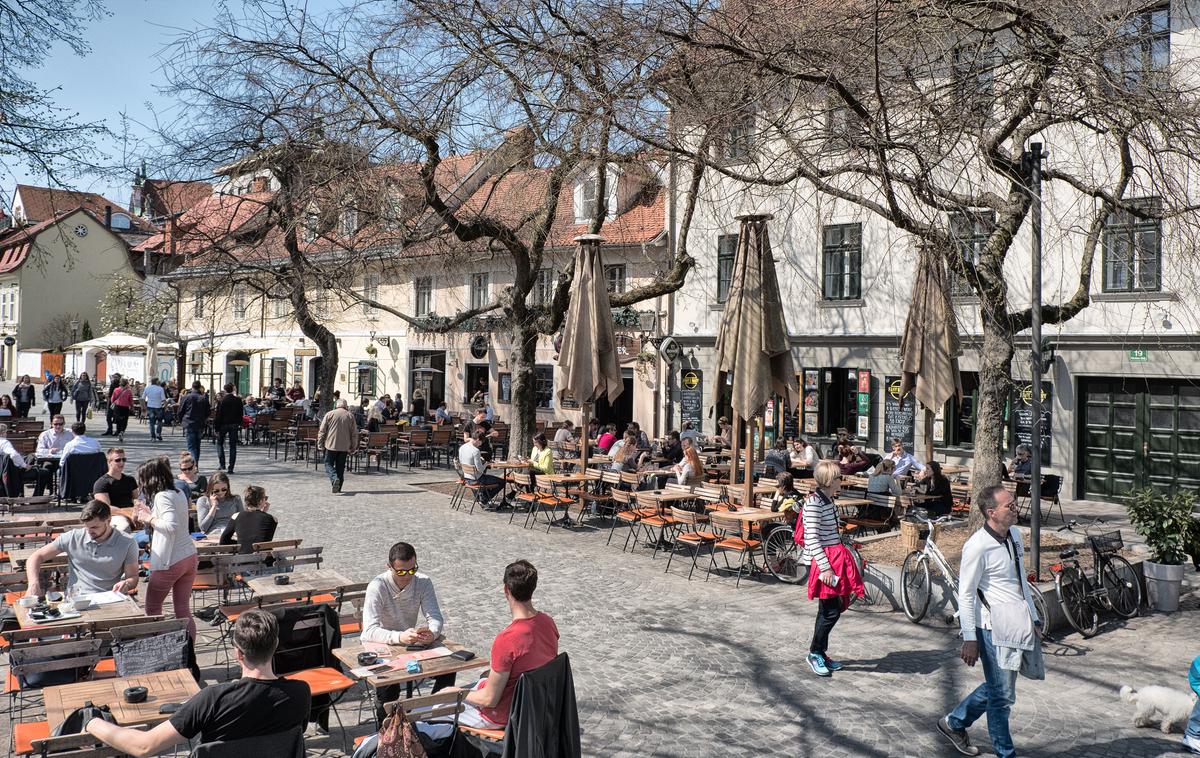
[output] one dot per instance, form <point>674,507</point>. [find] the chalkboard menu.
<point>897,421</point>
<point>791,422</point>
<point>691,402</point>
<point>1022,417</point>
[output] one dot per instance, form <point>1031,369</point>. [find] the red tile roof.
<point>41,203</point>
<point>16,243</point>
<point>168,197</point>
<point>213,219</point>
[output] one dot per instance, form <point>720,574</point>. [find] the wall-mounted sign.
<point>1136,354</point>
<point>627,347</point>
<point>479,347</point>
<point>670,350</point>
<point>691,403</point>
<point>10,340</point>
<point>897,421</point>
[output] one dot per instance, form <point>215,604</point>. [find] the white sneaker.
<point>1191,743</point>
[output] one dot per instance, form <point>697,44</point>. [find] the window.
<point>198,306</point>
<point>394,208</point>
<point>726,253</point>
<point>589,190</point>
<point>121,221</point>
<point>615,276</point>
<point>738,142</point>
<point>844,127</point>
<point>975,76</point>
<point>1141,51</point>
<point>479,290</point>
<point>362,379</point>
<point>843,261</point>
<point>959,421</point>
<point>280,307</point>
<point>311,226</point>
<point>239,302</point>
<point>370,290</point>
<point>545,386</point>
<point>543,288</point>
<point>272,369</point>
<point>348,222</point>
<point>1133,249</point>
<point>505,393</point>
<point>423,295</point>
<point>5,314</point>
<point>969,232</point>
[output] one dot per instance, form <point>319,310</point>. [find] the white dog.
<point>1170,708</point>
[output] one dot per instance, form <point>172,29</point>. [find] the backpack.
<point>78,718</point>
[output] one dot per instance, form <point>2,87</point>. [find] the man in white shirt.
<point>905,462</point>
<point>999,623</point>
<point>156,398</point>
<point>80,443</point>
<point>475,468</point>
<point>52,441</point>
<point>39,476</point>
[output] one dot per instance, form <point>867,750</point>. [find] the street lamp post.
<point>1033,158</point>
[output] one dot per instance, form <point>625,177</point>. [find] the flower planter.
<point>1163,582</point>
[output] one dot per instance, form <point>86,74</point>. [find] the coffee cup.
<point>66,607</point>
<point>54,597</point>
<point>27,601</point>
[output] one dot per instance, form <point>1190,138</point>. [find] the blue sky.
<point>120,75</point>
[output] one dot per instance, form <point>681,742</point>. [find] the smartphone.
<point>462,655</point>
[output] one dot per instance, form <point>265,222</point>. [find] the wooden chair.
<point>76,659</point>
<point>652,518</point>
<point>730,539</point>
<point>69,746</point>
<point>289,559</point>
<point>688,532</point>
<point>349,600</point>
<point>266,547</point>
<point>524,494</point>
<point>549,501</point>
<point>378,445</point>
<point>878,516</point>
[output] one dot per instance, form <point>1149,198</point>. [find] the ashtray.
<point>136,694</point>
<point>367,658</point>
<point>282,579</point>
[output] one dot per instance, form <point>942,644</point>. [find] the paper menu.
<point>105,598</point>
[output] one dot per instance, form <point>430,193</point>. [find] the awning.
<point>120,341</point>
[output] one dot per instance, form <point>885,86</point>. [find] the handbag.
<point>77,719</point>
<point>398,738</point>
<point>89,413</point>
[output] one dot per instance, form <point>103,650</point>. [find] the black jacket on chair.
<point>543,721</point>
<point>12,481</point>
<point>289,744</point>
<point>79,474</point>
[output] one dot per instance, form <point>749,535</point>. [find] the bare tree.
<point>920,112</point>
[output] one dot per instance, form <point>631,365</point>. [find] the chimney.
<point>108,217</point>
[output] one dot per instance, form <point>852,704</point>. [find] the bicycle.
<point>781,557</point>
<point>916,586</point>
<point>1113,584</point>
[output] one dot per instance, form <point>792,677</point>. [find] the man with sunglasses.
<point>115,488</point>
<point>999,623</point>
<point>393,602</point>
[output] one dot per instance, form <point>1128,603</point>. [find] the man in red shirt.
<point>529,642</point>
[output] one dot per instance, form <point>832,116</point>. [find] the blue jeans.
<point>230,431</point>
<point>1192,730</point>
<point>192,435</point>
<point>335,465</point>
<point>490,484</point>
<point>154,417</point>
<point>994,697</point>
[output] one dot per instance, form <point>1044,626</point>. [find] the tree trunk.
<point>995,383</point>
<point>325,341</point>
<point>524,389</point>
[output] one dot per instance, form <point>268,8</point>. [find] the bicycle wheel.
<point>873,594</point>
<point>781,555</point>
<point>915,586</point>
<point>1039,604</point>
<point>1121,583</point>
<point>1072,587</point>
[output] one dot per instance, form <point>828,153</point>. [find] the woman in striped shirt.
<point>832,577</point>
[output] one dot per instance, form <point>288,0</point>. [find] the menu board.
<point>1022,417</point>
<point>691,397</point>
<point>791,422</point>
<point>897,421</point>
<point>811,399</point>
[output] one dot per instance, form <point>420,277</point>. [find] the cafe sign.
<point>627,347</point>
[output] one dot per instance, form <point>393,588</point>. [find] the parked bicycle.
<point>1113,584</point>
<point>916,586</point>
<point>781,556</point>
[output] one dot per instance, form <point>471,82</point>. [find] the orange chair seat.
<point>737,543</point>
<point>323,680</point>
<point>696,537</point>
<point>360,739</point>
<point>11,684</point>
<point>350,627</point>
<point>106,668</point>
<point>11,598</point>
<point>630,516</point>
<point>654,521</point>
<point>327,598</point>
<point>495,735</point>
<point>25,733</point>
<point>231,612</point>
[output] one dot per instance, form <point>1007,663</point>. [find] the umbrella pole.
<point>747,480</point>
<point>928,435</point>
<point>585,444</point>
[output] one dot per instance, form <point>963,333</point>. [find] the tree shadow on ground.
<point>1156,744</point>
<point>902,662</point>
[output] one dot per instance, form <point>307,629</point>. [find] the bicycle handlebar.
<point>1070,525</point>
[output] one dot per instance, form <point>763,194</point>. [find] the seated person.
<point>190,481</point>
<point>541,458</point>
<point>689,432</point>
<point>939,486</point>
<point>690,469</point>
<point>29,473</point>
<point>470,455</point>
<point>53,441</point>
<point>904,461</point>
<point>851,461</point>
<point>803,458</point>
<point>80,443</point>
<point>624,454</point>
<point>99,557</point>
<point>565,432</point>
<point>390,611</point>
<point>672,449</point>
<point>607,439</point>
<point>253,524</point>
<point>777,459</point>
<point>115,488</point>
<point>1021,466</point>
<point>529,642</point>
<point>257,704</point>
<point>787,499</point>
<point>442,414</point>
<point>643,439</point>
<point>216,508</point>
<point>882,482</point>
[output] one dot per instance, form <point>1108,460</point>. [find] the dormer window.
<point>121,221</point>
<point>310,226</point>
<point>587,197</point>
<point>348,222</point>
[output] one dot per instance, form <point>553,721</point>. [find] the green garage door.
<point>1139,433</point>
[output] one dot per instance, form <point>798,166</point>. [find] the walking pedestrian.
<point>23,395</point>
<point>113,383</point>
<point>1191,733</point>
<point>55,394</point>
<point>194,410</point>
<point>155,398</point>
<point>84,394</point>
<point>1000,626</point>
<point>173,558</point>
<point>121,403</point>
<point>833,578</point>
<point>338,437</point>
<point>228,423</point>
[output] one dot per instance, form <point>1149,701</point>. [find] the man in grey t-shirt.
<point>99,557</point>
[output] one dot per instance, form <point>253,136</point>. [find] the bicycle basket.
<point>1109,542</point>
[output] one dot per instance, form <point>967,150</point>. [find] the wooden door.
<point>101,375</point>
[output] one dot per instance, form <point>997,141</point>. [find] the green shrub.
<point>1163,522</point>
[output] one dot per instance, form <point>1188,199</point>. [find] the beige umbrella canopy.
<point>754,358</point>
<point>930,348</point>
<point>587,361</point>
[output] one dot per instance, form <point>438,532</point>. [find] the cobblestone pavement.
<point>668,667</point>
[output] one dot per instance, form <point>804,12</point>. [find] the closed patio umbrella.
<point>930,347</point>
<point>754,359</point>
<point>587,361</point>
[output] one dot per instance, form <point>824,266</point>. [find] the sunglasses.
<point>118,460</point>
<point>57,423</point>
<point>217,491</point>
<point>186,468</point>
<point>405,572</point>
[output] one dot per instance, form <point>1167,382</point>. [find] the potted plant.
<point>1164,523</point>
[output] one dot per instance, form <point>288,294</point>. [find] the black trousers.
<point>23,409</point>
<point>391,693</point>
<point>54,409</point>
<point>829,611</point>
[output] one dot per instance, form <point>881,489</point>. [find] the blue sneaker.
<point>833,665</point>
<point>816,662</point>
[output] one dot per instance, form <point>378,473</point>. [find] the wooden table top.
<point>663,496</point>
<point>586,476</point>
<point>165,687</point>
<point>510,464</point>
<point>103,616</point>
<point>20,555</point>
<point>751,515</point>
<point>430,667</point>
<point>323,580</point>
<point>950,469</point>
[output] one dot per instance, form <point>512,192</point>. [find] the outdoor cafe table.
<point>510,464</point>
<point>104,617</point>
<point>17,557</point>
<point>174,686</point>
<point>312,582</point>
<point>658,497</point>
<point>430,667</point>
<point>952,469</point>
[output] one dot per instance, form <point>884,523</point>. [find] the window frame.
<point>1122,223</point>
<point>240,305</point>
<point>198,305</point>
<point>1138,34</point>
<point>849,273</point>
<point>370,289</point>
<point>354,374</point>
<point>616,276</point>
<point>972,243</point>
<point>479,287</point>
<point>543,286</point>
<point>727,245</point>
<point>543,379</point>
<point>280,307</point>
<point>422,290</point>
<point>954,419</point>
<point>348,222</point>
<point>737,141</point>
